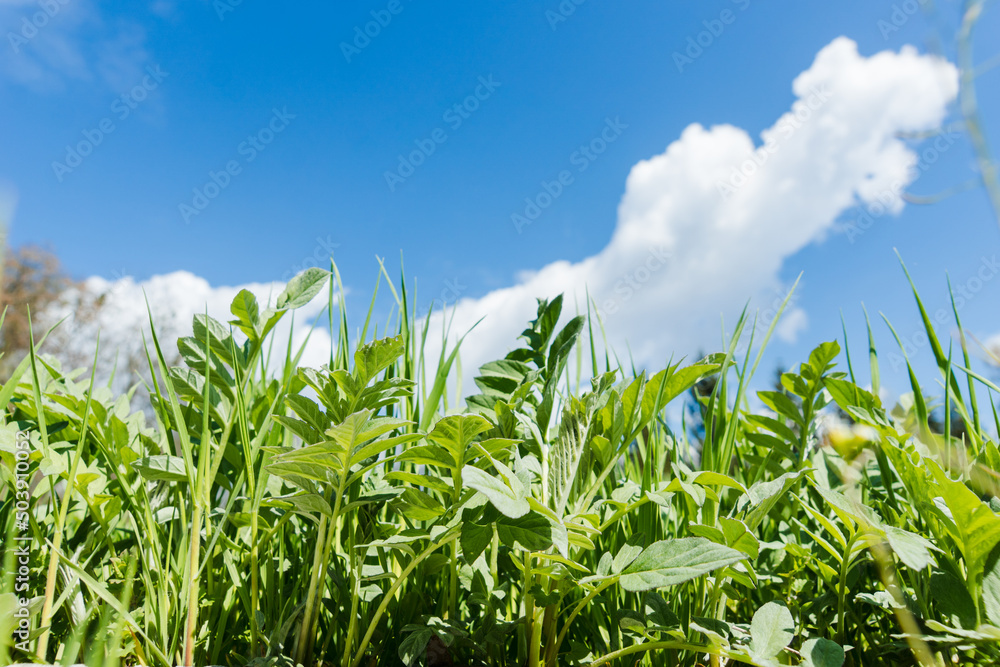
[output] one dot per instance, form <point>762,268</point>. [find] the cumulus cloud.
<point>709,222</point>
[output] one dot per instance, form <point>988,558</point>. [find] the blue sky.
<point>204,77</point>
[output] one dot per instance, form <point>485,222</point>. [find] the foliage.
<point>344,515</point>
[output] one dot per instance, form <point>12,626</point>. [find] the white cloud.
<point>729,212</point>
<point>55,42</point>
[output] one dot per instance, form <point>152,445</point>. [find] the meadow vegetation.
<point>258,512</point>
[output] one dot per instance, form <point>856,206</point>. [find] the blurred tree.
<point>32,280</point>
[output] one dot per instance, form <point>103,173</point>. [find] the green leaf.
<point>978,526</point>
<point>781,404</point>
<point>310,503</point>
<point>301,289</point>
<point>912,549</point>
<point>531,532</point>
<point>161,468</point>
<point>247,313</point>
<point>456,433</point>
<point>991,587</point>
<point>419,506</point>
<point>761,498</point>
<point>375,357</point>
<point>510,500</point>
<point>822,653</point>
<point>657,611</point>
<point>671,562</point>
<point>474,540</point>
<point>952,600</point>
<point>668,384</point>
<point>565,457</point>
<point>413,647</point>
<point>739,537</point>
<point>771,630</point>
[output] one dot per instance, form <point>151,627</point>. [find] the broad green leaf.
<point>912,549</point>
<point>671,562</point>
<point>301,289</point>
<point>771,630</point>
<point>953,601</point>
<point>419,506</point>
<point>161,468</point>
<point>781,404</point>
<point>510,500</point>
<point>414,646</point>
<point>710,478</point>
<point>474,540</point>
<point>531,532</point>
<point>310,503</point>
<point>991,587</point>
<point>657,611</point>
<point>822,653</point>
<point>978,526</point>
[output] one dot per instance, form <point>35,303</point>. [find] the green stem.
<point>845,566</point>
<point>663,646</point>
<point>449,537</point>
<point>305,642</point>
<point>580,607</point>
<point>352,626</point>
<point>254,586</point>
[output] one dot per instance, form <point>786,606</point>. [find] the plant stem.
<point>452,535</point>
<point>662,646</point>
<point>304,647</point>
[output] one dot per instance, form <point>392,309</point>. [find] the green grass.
<point>351,516</point>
